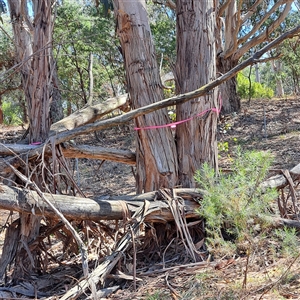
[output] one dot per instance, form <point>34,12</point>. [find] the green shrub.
<point>288,240</point>
<point>257,89</point>
<point>12,113</point>
<point>234,206</point>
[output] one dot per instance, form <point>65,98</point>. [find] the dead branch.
<point>74,151</point>
<point>280,181</point>
<point>78,208</point>
<point>81,245</point>
<point>89,114</point>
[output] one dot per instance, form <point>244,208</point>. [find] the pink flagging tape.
<point>174,124</point>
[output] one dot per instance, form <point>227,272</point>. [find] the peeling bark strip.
<point>156,150</point>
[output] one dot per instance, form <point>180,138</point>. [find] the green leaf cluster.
<point>163,28</point>
<point>288,240</point>
<point>79,32</point>
<point>12,113</point>
<point>254,90</point>
<point>234,206</point>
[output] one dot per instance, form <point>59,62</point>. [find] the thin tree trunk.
<point>277,67</point>
<point>156,150</point>
<point>56,108</point>
<point>1,111</point>
<point>195,67</point>
<point>22,102</point>
<point>91,80</point>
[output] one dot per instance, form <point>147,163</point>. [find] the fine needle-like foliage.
<point>234,206</point>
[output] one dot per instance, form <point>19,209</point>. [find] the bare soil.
<point>267,125</point>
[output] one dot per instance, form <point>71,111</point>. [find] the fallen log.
<point>280,180</point>
<point>15,199</point>
<point>78,208</point>
<point>73,151</point>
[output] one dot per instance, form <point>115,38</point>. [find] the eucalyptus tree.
<point>9,84</point>
<point>282,71</point>
<point>290,50</point>
<point>33,42</point>
<point>287,65</point>
<point>32,26</point>
<point>243,27</point>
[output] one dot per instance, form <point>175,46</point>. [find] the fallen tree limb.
<point>15,199</point>
<point>75,151</point>
<point>97,152</point>
<point>89,114</point>
<point>281,222</point>
<point>280,181</point>
<point>77,208</point>
<point>42,197</point>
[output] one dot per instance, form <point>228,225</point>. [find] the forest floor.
<point>267,125</point>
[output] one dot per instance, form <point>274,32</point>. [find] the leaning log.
<point>78,208</point>
<point>90,114</point>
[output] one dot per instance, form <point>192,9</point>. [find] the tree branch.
<point>263,36</point>
<point>251,11</point>
<point>262,21</point>
<point>72,151</point>
<point>89,114</point>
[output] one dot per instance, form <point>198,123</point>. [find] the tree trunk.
<point>277,69</point>
<point>195,67</point>
<point>231,102</point>
<point>56,107</point>
<point>1,111</point>
<point>33,43</point>
<point>156,150</point>
<point>22,102</point>
<point>91,80</point>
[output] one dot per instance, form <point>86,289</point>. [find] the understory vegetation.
<point>237,210</point>
<point>248,88</point>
